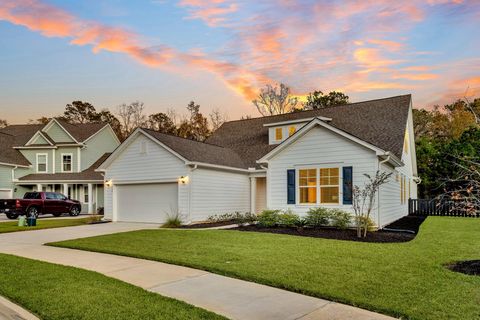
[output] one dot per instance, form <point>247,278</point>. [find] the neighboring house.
<point>58,157</point>
<point>291,161</point>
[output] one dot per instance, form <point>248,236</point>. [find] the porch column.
<point>65,189</point>
<point>90,198</point>
<point>39,187</point>
<point>253,193</point>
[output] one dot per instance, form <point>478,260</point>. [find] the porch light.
<point>108,183</point>
<point>183,179</point>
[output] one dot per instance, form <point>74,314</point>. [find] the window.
<point>85,194</point>
<point>308,186</point>
<point>32,195</point>
<point>329,185</point>
<point>50,196</point>
<point>42,159</point>
<point>291,130</point>
<point>278,133</point>
<point>67,162</point>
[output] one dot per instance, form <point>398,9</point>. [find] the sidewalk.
<point>235,299</point>
<point>10,311</point>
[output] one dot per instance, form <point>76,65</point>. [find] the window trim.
<point>71,162</point>
<point>85,194</point>
<point>318,194</point>
<point>340,178</point>
<point>46,162</point>
<point>299,187</point>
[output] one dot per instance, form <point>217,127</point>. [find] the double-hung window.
<point>66,162</point>
<point>42,159</point>
<point>308,186</point>
<point>329,185</point>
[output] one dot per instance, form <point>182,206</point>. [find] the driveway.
<point>235,299</point>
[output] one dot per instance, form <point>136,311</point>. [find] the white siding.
<point>218,192</point>
<point>319,147</point>
<point>157,164</point>
<point>390,200</point>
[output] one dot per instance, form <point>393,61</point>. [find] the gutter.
<point>387,159</point>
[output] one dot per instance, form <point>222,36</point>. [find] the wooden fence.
<point>436,207</point>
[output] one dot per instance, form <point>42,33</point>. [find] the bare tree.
<point>3,123</point>
<point>274,100</point>
<point>131,117</point>
<point>217,118</point>
<point>364,200</point>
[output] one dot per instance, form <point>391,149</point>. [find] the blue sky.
<point>220,52</point>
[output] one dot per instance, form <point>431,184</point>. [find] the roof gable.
<point>380,123</point>
<point>58,133</point>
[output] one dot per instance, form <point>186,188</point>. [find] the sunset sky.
<point>220,52</point>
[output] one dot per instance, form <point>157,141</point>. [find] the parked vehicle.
<point>36,203</point>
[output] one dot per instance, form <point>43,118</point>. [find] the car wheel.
<point>32,212</point>
<point>75,211</point>
<point>12,216</point>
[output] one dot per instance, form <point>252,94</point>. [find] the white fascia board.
<point>274,124</point>
<point>14,165</point>
<point>35,135</point>
<point>216,166</point>
<point>101,129</point>
<point>313,123</point>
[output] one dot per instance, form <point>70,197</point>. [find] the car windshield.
<point>32,195</point>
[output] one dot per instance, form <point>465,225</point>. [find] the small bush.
<point>268,218</point>
<point>100,211</point>
<point>237,217</point>
<point>288,219</point>
<point>370,225</point>
<point>318,217</point>
<point>340,219</point>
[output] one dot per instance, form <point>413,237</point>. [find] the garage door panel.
<point>5,194</point>
<point>146,202</point>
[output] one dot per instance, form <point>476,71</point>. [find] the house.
<point>59,157</point>
<point>291,161</point>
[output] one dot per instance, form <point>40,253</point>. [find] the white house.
<point>292,161</point>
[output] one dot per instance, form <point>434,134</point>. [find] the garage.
<point>5,194</point>
<point>151,203</point>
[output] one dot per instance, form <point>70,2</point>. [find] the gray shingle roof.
<point>199,151</point>
<point>86,175</point>
<point>381,122</point>
<point>18,135</point>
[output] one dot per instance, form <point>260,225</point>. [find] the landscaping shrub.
<point>288,219</point>
<point>237,217</point>
<point>318,217</point>
<point>370,223</point>
<point>269,218</point>
<point>340,219</point>
<point>173,221</point>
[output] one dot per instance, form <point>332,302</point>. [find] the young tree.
<point>131,117</point>
<point>318,100</point>
<point>274,100</point>
<point>3,123</point>
<point>196,126</point>
<point>161,122</point>
<point>217,119</point>
<point>79,112</point>
<point>363,200</point>
<point>106,116</point>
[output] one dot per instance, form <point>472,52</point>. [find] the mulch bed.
<point>330,233</point>
<point>207,225</point>
<point>409,223</point>
<point>471,267</point>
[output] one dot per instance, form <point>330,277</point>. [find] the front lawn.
<point>399,279</point>
<point>53,291</point>
<point>11,226</point>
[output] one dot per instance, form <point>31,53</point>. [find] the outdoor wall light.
<point>108,183</point>
<point>183,179</point>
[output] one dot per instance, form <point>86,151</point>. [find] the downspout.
<point>190,191</point>
<point>378,195</point>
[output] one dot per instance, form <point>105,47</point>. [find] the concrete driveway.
<point>235,299</point>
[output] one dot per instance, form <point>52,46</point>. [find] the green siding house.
<point>59,156</point>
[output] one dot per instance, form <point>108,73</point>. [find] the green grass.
<point>11,226</point>
<point>58,292</point>
<point>399,279</point>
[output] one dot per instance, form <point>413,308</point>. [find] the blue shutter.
<point>347,185</point>
<point>291,186</point>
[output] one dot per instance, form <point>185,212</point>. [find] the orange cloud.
<point>387,44</point>
<point>416,76</point>
<point>54,22</point>
<point>212,12</point>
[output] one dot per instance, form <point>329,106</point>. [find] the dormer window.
<point>291,130</point>
<point>278,134</point>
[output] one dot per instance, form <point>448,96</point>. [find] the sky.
<point>219,53</point>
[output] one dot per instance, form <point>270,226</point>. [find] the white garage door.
<point>146,202</point>
<point>5,194</point>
